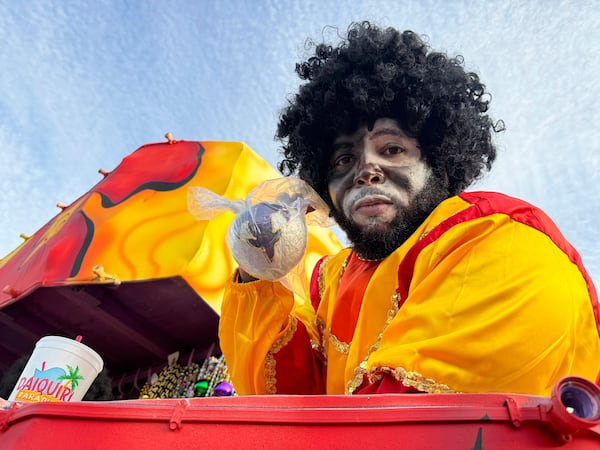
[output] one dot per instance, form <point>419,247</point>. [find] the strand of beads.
<point>166,386</point>
<point>214,378</point>
<point>176,381</point>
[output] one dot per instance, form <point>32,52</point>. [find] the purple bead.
<point>223,389</point>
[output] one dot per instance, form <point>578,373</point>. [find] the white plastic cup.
<point>58,370</point>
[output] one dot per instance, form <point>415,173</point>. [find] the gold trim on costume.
<point>340,346</point>
<point>361,370</point>
<point>320,325</point>
<point>409,379</point>
<point>320,346</point>
<point>316,346</point>
<point>270,370</point>
<point>343,267</point>
<point>321,278</point>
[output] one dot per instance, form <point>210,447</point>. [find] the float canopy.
<point>128,267</point>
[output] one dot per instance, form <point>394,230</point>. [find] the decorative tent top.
<point>128,258</point>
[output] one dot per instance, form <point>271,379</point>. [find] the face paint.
<point>381,187</point>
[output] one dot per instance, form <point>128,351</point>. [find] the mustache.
<point>367,191</point>
<point>374,190</point>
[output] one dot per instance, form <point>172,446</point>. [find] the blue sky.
<point>84,83</point>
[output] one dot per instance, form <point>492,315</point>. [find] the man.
<point>442,290</point>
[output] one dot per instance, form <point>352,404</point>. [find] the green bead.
<point>200,388</point>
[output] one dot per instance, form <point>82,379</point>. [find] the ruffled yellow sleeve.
<point>262,329</point>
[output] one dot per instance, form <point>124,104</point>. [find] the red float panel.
<point>412,421</point>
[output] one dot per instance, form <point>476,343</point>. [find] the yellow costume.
<point>486,296</point>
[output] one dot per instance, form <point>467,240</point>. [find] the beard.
<point>378,243</point>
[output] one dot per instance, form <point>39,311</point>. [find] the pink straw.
<point>78,338</point>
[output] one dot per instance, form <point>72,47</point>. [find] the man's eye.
<point>393,150</point>
<point>342,160</point>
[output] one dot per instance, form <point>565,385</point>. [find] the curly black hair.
<point>377,73</point>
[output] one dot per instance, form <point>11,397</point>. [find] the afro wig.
<point>377,73</point>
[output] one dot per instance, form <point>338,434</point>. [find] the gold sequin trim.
<point>340,346</point>
<point>320,325</point>
<point>409,379</point>
<point>320,346</point>
<point>316,346</point>
<point>321,278</point>
<point>343,268</point>
<point>270,370</point>
<point>361,370</point>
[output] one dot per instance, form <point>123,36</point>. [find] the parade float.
<point>130,272</point>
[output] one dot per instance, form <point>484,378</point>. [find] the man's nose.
<point>369,174</point>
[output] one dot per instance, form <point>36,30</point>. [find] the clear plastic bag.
<point>268,235</point>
